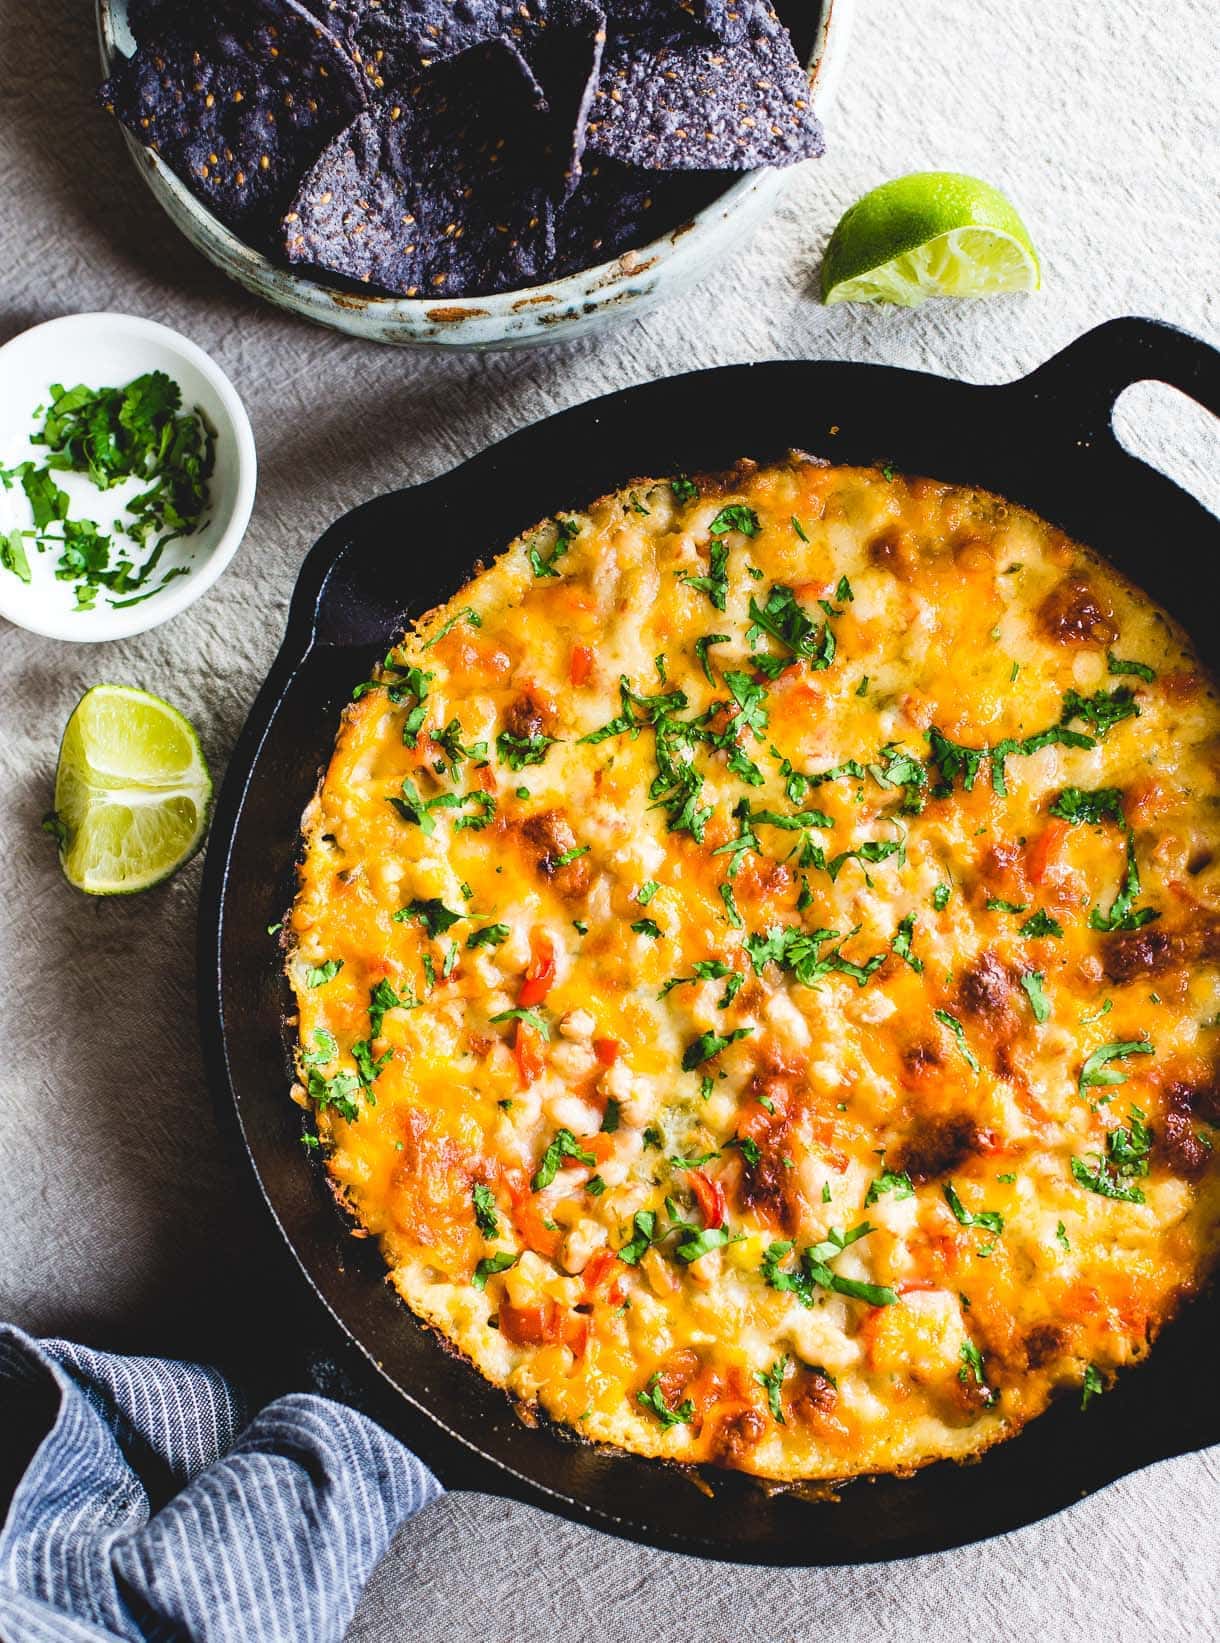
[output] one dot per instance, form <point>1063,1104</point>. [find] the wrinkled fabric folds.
<point>155,1508</point>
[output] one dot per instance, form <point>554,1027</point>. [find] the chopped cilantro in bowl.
<point>127,473</point>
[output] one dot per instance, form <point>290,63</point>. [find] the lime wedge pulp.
<point>132,792</point>
<point>930,234</point>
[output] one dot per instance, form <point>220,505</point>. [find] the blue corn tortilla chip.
<point>393,41</point>
<point>735,20</point>
<point>239,108</point>
<point>563,48</point>
<point>617,208</point>
<point>704,107</point>
<point>433,199</point>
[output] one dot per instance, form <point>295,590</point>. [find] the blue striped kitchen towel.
<point>154,1509</point>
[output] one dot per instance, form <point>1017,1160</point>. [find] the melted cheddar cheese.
<point>757,955</point>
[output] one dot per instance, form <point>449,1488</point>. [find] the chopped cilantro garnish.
<point>519,751</point>
<point>696,1161</point>
<point>989,1219</point>
<point>1080,805</point>
<point>1139,670</point>
<point>564,1145</point>
<point>701,1243</point>
<point>1091,1386</point>
<point>684,489</point>
<point>1126,1155</point>
<point>574,854</point>
<point>972,1369</point>
<point>871,851</point>
<point>708,1045</point>
<point>1033,983</point>
<point>940,897</point>
<point>485,1210</point>
<point>327,1049</point>
<point>959,1032</point>
<point>896,1181</point>
<point>784,621</point>
<point>772,1380</point>
<point>681,1415</point>
<point>383,998</point>
<point>320,974</point>
<point>702,646</point>
<point>1041,924</point>
<point>644,1225</point>
<point>531,1018</point>
<point>467,615</point>
<point>736,517</point>
<point>901,943</point>
<point>435,917</point>
<point>491,935</point>
<point>566,530</point>
<point>1098,1070</point>
<point>730,903</point>
<point>716,583</point>
<point>647,927</point>
<point>491,1264</point>
<point>996,905</point>
<point>449,740</point>
<point>646,892</point>
<point>800,952</point>
<point>337,1092</point>
<point>813,1271</point>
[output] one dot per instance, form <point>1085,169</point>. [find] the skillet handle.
<point>1077,389</point>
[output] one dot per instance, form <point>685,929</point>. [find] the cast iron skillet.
<point>1045,441</point>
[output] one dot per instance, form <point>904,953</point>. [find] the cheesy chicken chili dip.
<point>758,966</point>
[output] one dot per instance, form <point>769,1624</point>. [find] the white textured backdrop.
<point>118,1220</point>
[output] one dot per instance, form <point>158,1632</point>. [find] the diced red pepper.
<point>916,1286</point>
<point>710,1197</point>
<point>581,665</point>
<point>1045,848</point>
<point>527,1051</point>
<point>535,1323</point>
<point>606,1050</point>
<point>601,1264</point>
<point>540,972</point>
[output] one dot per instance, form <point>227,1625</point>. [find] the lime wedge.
<point>931,234</point>
<point>132,792</point>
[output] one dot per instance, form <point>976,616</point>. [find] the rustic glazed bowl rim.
<point>425,312</point>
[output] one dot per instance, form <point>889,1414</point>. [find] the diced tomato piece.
<point>581,665</point>
<point>527,1052</point>
<point>532,1324</point>
<point>710,1196</point>
<point>606,1050</point>
<point>540,972</point>
<point>575,1331</point>
<point>601,1265</point>
<point>1045,848</point>
<point>916,1286</point>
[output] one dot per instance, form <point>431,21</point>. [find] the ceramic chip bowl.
<point>572,306</point>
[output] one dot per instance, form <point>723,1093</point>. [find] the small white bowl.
<point>574,305</point>
<point>105,351</point>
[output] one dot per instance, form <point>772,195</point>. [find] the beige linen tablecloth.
<point>119,1222</point>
